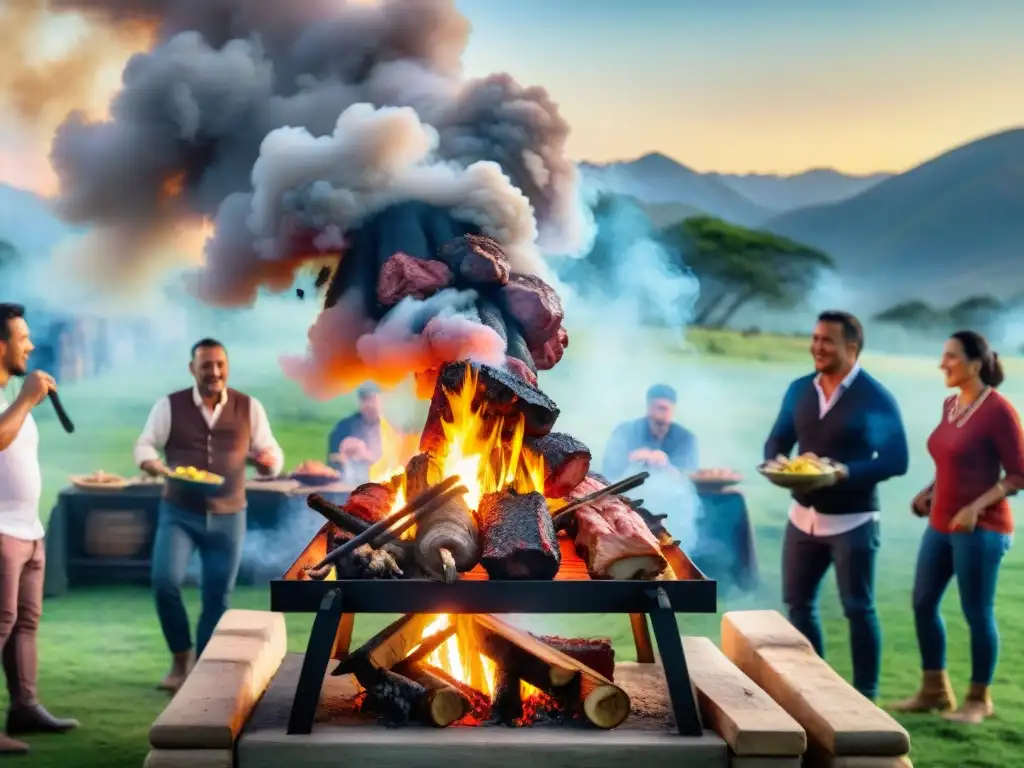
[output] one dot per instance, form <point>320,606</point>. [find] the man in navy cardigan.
<point>841,413</point>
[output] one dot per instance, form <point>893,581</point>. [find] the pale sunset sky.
<point>742,86</point>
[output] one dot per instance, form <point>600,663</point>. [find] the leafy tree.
<point>737,266</point>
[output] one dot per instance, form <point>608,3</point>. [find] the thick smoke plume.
<point>291,124</point>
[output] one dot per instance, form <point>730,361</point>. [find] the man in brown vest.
<point>207,426</point>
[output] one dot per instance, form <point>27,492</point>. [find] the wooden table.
<point>108,535</point>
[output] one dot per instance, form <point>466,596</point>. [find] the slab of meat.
<point>370,501</point>
<point>519,541</point>
<point>613,540</point>
<point>477,259</point>
<point>566,462</point>
<point>522,370</point>
<point>403,275</point>
<point>538,309</point>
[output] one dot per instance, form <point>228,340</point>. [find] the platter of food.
<point>312,472</point>
<point>800,471</point>
<point>715,479</point>
<point>193,479</point>
<point>100,481</point>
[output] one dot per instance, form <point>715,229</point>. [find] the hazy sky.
<point>755,85</point>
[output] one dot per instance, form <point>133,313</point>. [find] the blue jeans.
<point>974,559</point>
<point>219,540</point>
<point>805,561</point>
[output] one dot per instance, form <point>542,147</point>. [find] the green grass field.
<point>102,651</point>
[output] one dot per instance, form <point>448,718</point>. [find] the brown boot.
<point>181,665</point>
<point>9,746</point>
<point>977,706</point>
<point>934,695</point>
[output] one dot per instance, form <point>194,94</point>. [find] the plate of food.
<point>193,479</point>
<point>803,470</point>
<point>100,481</point>
<point>315,473</point>
<point>715,479</point>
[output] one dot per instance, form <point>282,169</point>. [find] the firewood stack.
<point>532,489</point>
<point>535,679</point>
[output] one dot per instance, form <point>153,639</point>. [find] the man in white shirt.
<point>210,427</point>
<point>21,535</point>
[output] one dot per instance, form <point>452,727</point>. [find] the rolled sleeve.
<point>153,440</point>
<point>262,438</point>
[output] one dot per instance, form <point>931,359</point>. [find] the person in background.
<point>842,413</point>
<point>354,444</point>
<point>970,524</point>
<point>211,427</point>
<point>655,441</point>
<point>22,552</point>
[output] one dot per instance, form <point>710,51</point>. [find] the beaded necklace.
<point>961,414</point>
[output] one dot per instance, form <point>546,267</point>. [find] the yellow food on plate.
<point>805,464</point>
<point>196,475</point>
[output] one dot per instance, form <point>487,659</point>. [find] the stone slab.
<point>647,738</point>
<point>190,758</point>
<point>766,762</point>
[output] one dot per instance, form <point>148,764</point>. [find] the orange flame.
<point>476,451</point>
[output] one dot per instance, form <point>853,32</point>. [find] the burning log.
<point>476,259</point>
<point>422,471</point>
<point>394,697</point>
<point>403,275</point>
<point>447,541</point>
<point>518,537</point>
<point>538,309</point>
<point>445,703</point>
<point>566,462</point>
<point>507,702</point>
<point>596,653</point>
<point>597,699</point>
<point>392,644</point>
<point>613,539</point>
<point>370,501</point>
<point>499,393</point>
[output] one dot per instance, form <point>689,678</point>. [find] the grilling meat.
<point>518,538</point>
<point>566,462</point>
<point>402,275</point>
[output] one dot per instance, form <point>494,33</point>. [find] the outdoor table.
<point>127,518</point>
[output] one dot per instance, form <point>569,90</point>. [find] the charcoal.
<point>503,393</point>
<point>507,702</point>
<point>517,536</point>
<point>566,462</point>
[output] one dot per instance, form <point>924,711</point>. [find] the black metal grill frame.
<point>335,603</point>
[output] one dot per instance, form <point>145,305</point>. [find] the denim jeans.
<point>219,540</point>
<point>974,559</point>
<point>805,561</point>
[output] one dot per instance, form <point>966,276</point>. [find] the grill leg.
<point>673,660</point>
<point>314,665</point>
<point>642,638</point>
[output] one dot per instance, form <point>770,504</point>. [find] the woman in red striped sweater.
<point>978,449</point>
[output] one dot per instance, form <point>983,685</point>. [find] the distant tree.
<point>912,314</point>
<point>737,266</point>
<point>976,312</point>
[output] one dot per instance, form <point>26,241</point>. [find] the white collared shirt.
<point>21,483</point>
<point>154,435</point>
<point>808,519</point>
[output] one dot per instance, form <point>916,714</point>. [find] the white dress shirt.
<point>21,483</point>
<point>808,519</point>
<point>154,435</point>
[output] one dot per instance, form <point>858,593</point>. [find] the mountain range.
<point>948,229</point>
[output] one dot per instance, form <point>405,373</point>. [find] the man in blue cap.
<point>354,444</point>
<point>654,441</point>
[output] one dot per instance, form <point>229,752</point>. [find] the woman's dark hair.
<point>976,347</point>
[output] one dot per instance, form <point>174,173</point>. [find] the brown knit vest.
<point>221,450</point>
